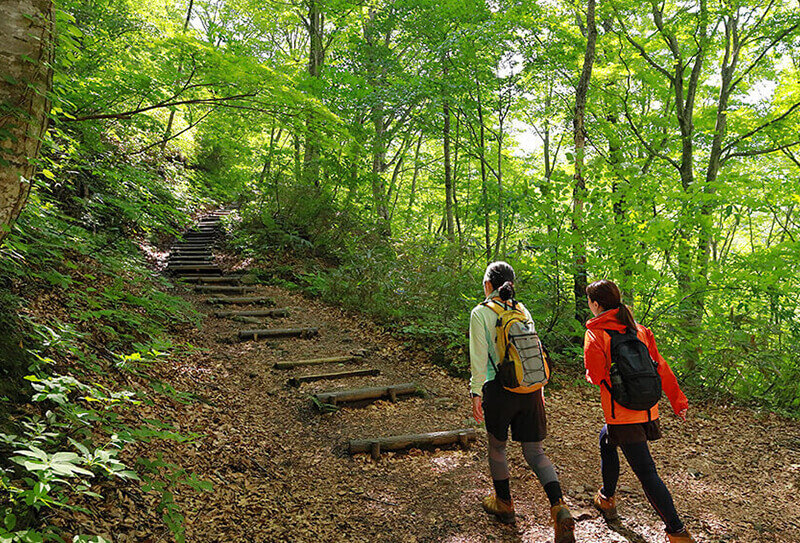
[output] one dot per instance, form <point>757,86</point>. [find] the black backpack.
<point>635,382</point>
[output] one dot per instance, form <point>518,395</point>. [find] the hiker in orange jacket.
<point>629,429</point>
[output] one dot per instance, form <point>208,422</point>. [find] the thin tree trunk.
<point>455,182</point>
<point>26,50</point>
<point>171,119</point>
<point>448,181</point>
<point>500,192</point>
<point>413,194</point>
<point>624,241</point>
<point>579,190</point>
<point>316,57</point>
<point>484,188</point>
<point>729,63</point>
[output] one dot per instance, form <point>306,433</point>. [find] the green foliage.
<point>108,314</point>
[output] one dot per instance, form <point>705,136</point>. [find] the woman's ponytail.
<point>625,316</point>
<point>506,291</point>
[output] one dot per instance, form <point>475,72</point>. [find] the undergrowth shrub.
<point>84,324</point>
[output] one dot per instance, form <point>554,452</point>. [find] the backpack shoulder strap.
<point>494,306</point>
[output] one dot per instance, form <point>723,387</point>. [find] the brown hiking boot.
<point>502,509</point>
<point>682,537</point>
<point>606,506</point>
<point>563,523</point>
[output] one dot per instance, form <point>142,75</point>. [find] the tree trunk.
<point>448,181</point>
<point>380,194</point>
<point>26,54</point>
<point>499,174</point>
<point>413,194</point>
<point>579,190</point>
<point>316,57</point>
<point>685,93</point>
<point>484,189</point>
<point>624,242</point>
<point>728,69</point>
<point>171,119</point>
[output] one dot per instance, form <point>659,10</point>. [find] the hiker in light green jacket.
<point>501,408</point>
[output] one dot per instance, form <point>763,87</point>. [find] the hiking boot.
<point>563,523</point>
<point>502,509</point>
<point>681,537</point>
<point>606,506</point>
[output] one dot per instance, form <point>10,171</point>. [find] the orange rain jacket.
<point>597,359</point>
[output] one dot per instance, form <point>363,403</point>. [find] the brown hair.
<point>606,293</point>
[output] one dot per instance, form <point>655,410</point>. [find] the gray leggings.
<point>533,453</point>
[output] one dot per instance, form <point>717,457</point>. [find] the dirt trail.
<point>281,472</point>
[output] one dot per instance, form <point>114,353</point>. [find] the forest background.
<point>382,152</point>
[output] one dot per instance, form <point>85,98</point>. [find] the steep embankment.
<point>281,471</point>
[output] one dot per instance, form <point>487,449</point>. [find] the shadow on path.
<point>626,532</point>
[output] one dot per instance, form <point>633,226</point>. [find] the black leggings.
<point>638,456</point>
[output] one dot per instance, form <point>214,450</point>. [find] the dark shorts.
<point>524,413</point>
<point>623,434</point>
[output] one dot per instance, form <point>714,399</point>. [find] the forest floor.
<point>281,472</point>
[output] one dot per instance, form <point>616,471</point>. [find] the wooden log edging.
<point>210,280</point>
<point>181,268</point>
<point>223,289</point>
<point>296,381</point>
<point>391,392</point>
<point>253,313</point>
<point>314,362</point>
<point>268,333</point>
<point>375,446</point>
<point>241,300</point>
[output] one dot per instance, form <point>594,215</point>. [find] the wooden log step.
<point>268,333</point>
<point>173,263</point>
<point>241,300</point>
<point>397,443</point>
<point>225,289</point>
<point>195,269</point>
<point>372,393</point>
<point>254,313</point>
<point>190,258</point>
<point>193,246</point>
<point>295,381</point>
<point>315,361</point>
<point>229,279</point>
<point>200,253</point>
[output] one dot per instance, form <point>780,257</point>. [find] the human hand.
<point>477,408</point>
<point>682,413</point>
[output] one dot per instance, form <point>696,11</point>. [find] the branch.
<point>129,114</point>
<point>173,136</point>
<point>763,53</point>
<point>757,152</point>
<point>760,128</point>
<point>640,48</point>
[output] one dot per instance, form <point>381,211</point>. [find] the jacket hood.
<point>606,321</point>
